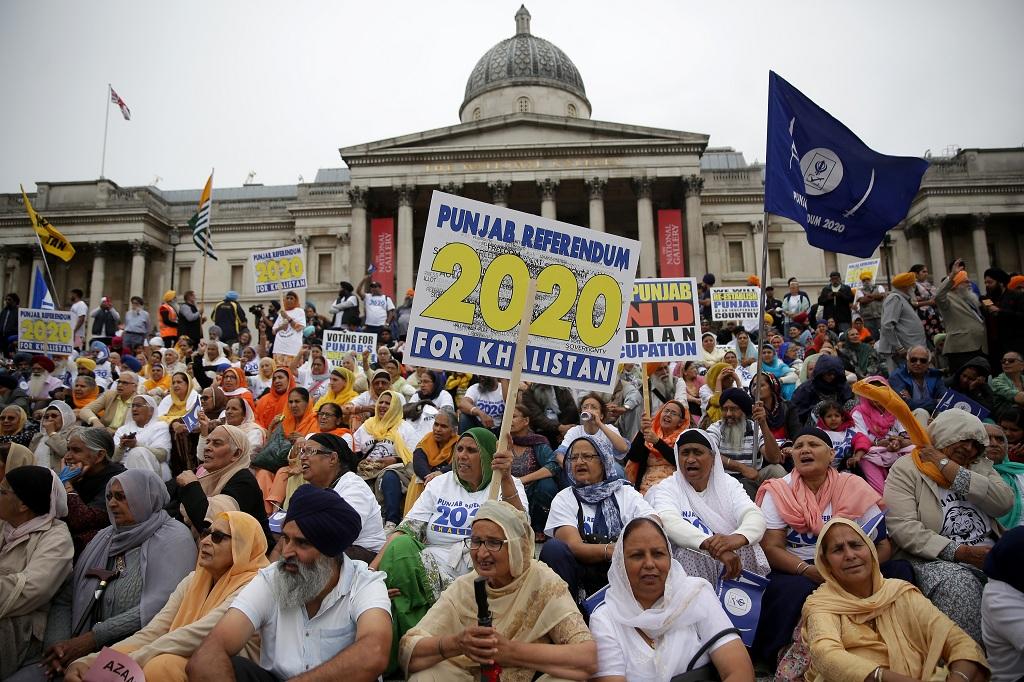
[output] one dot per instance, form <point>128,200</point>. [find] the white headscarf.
<point>713,507</point>
<point>153,435</point>
<point>42,449</point>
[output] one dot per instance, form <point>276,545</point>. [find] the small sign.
<point>279,270</point>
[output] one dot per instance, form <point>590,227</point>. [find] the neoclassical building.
<point>525,139</point>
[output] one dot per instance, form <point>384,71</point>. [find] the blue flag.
<point>819,174</point>
<point>741,599</point>
<point>191,418</point>
<point>41,299</point>
<point>954,400</point>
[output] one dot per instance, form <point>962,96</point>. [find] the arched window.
<point>571,111</point>
<point>476,114</point>
<point>523,104</point>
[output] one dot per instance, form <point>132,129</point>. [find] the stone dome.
<point>524,60</point>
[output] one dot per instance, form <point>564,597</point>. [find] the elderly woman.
<point>231,552</point>
<point>143,441</point>
<point>704,509</point>
<point>433,454</point>
<point>593,412</point>
<point>858,356</point>
<point>426,553</point>
<point>710,354</point>
<point>89,469</point>
<point>773,365</point>
<point>35,557</point>
<point>151,553</point>
<point>50,443</point>
<point>720,377</point>
<point>180,400</point>
<point>651,456</point>
<point>587,518</point>
<point>238,413</point>
<point>537,633</point>
<point>861,626</point>
<point>656,622</point>
<point>226,484</point>
<point>795,508</point>
<point>383,440</point>
<point>15,426</point>
<point>943,501</point>
<point>1008,387</point>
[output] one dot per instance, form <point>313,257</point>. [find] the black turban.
<point>740,398</point>
<point>999,275</point>
<point>817,433</point>
<point>33,486</point>
<point>8,381</point>
<point>328,522</point>
<point>335,443</point>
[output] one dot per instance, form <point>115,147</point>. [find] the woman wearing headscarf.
<point>707,513</point>
<point>180,400</point>
<point>158,383</point>
<point>529,604</point>
<point>829,383</point>
<point>35,557</point>
<point>859,357</point>
<point>795,508</point>
<point>425,553</point>
<point>15,426</point>
<point>587,517</point>
<point>719,378</point>
<point>943,501</point>
<point>656,622</point>
<point>339,391</point>
<point>536,467</point>
<point>879,437</point>
<point>231,552</point>
<point>319,378</point>
<point>84,390</point>
<point>771,364</point>
<point>185,442</point>
<point>861,626</point>
<point>651,457</point>
<point>1001,606</point>
<point>432,388</point>
<point>151,553</point>
<point>233,383</point>
<point>238,413</point>
<point>13,456</point>
<point>89,469</point>
<point>274,401</point>
<point>780,415</point>
<point>287,330</point>
<point>711,354</point>
<point>383,441</point>
<point>433,454</point>
<point>143,441</point>
<point>226,483</point>
<point>971,379</point>
<point>51,441</point>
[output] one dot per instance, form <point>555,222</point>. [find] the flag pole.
<point>760,326</point>
<point>106,125</point>
<point>46,265</point>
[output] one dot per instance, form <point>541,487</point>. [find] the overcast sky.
<point>278,87</point>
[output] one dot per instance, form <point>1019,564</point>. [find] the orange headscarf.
<point>248,556</point>
<point>272,403</point>
<point>89,397</point>
<point>242,391</point>
<point>301,425</point>
<point>633,468</point>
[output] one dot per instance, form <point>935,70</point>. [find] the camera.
<point>256,310</point>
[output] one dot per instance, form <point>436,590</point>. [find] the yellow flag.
<point>53,241</point>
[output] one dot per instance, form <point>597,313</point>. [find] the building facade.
<point>525,140</point>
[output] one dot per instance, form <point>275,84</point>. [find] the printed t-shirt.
<point>565,508</point>
<point>448,509</point>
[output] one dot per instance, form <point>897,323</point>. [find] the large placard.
<point>474,275</point>
<point>338,343</point>
<point>45,331</point>
<point>854,270</point>
<point>663,323</point>
<point>279,270</point>
<point>735,303</point>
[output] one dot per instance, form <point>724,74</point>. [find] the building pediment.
<point>524,136</point>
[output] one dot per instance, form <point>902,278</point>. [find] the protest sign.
<point>279,270</point>
<point>338,343</point>
<point>45,331</point>
<point>113,666</point>
<point>741,598</point>
<point>856,268</point>
<point>954,400</point>
<point>475,271</point>
<point>735,303</point>
<point>663,323</point>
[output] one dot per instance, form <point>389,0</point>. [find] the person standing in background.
<point>136,325</point>
<point>190,320</point>
<point>380,309</point>
<point>168,319</point>
<point>79,311</point>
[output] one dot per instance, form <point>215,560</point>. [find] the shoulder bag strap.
<point>708,644</point>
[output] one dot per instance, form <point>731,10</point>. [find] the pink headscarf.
<point>878,421</point>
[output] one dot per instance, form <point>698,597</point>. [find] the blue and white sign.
<point>741,599</point>
<point>954,400</point>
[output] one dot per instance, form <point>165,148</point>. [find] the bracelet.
<point>440,651</point>
<point>802,567</point>
<point>878,674</point>
<point>606,552</point>
<point>957,672</point>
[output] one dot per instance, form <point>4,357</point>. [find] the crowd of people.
<point>209,494</point>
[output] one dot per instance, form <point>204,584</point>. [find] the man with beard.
<point>1004,315</point>
<point>320,615</point>
<point>40,382</point>
<point>735,433</point>
<point>899,330</point>
<point>664,386</point>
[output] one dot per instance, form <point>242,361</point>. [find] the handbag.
<point>705,673</point>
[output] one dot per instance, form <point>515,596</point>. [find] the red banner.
<point>382,253</point>
<point>671,262</point>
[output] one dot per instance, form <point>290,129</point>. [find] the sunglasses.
<point>215,535</point>
<point>918,361</point>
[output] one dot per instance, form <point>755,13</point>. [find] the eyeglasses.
<point>1009,361</point>
<point>215,535</point>
<point>311,451</point>
<point>492,544</point>
<point>671,413</point>
<point>585,457</point>
<point>918,361</point>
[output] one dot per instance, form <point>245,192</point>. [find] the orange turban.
<point>904,280</point>
<point>959,278</point>
<point>1016,282</point>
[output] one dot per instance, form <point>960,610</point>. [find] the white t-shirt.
<point>365,399</point>
<point>448,509</point>
<point>377,309</point>
<point>601,438</point>
<point>668,495</point>
<point>962,521</point>
<point>104,375</point>
<point>375,449</point>
<point>802,545</point>
<point>423,425</point>
<point>443,399</point>
<point>491,403</point>
<point>564,510</point>
<point>79,310</point>
<point>354,490</point>
<point>288,340</point>
<point>622,652</point>
<point>292,643</point>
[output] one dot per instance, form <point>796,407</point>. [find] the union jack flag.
<point>116,99</point>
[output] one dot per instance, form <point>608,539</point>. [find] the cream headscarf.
<point>213,482</point>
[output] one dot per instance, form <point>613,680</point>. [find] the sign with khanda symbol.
<point>823,171</point>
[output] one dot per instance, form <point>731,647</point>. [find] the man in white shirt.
<point>380,309</point>
<point>320,615</point>
<point>79,311</point>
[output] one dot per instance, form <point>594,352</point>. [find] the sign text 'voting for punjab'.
<point>474,275</point>
<point>663,324</point>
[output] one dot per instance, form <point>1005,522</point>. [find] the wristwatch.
<point>943,462</point>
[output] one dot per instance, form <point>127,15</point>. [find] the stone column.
<point>404,273</point>
<point>548,188</point>
<point>499,192</point>
<point>915,247</point>
<point>18,275</point>
<point>357,235</point>
<point>644,187</point>
<point>595,188</point>
<point>714,248</point>
<point>5,255</point>
<point>98,275</point>
<point>342,255</point>
<point>137,284</point>
<point>982,260</point>
<point>758,232</point>
<point>696,258</point>
<point>160,262</point>
<point>935,249</point>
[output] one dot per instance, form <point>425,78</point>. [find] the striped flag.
<point>200,222</point>
<point>116,99</point>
